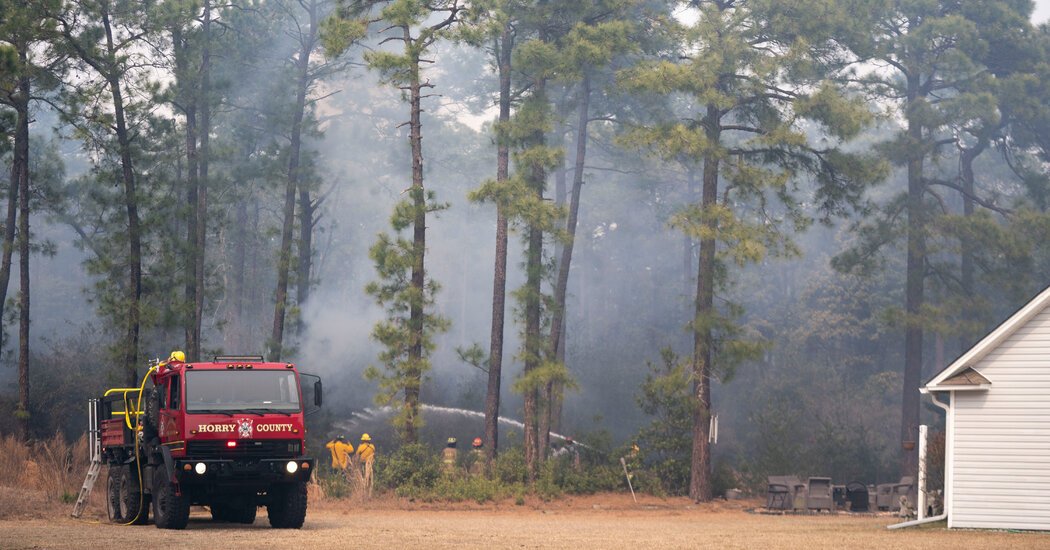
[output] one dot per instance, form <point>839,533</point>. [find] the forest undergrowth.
<point>43,479</point>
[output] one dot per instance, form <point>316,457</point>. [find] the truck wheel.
<point>287,507</point>
<point>113,494</point>
<point>170,511</point>
<point>132,508</point>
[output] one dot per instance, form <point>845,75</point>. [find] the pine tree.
<point>931,56</point>
<point>24,32</point>
<point>537,60</point>
<point>305,78</point>
<point>497,28</point>
<point>754,71</point>
<point>601,32</point>
<point>105,38</point>
<point>416,25</point>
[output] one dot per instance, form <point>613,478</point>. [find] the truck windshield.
<point>242,390</point>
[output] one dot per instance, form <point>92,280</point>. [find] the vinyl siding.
<point>1001,437</point>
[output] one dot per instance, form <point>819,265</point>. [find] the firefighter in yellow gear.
<point>366,453</point>
<point>341,451</point>
<point>633,461</point>
<point>449,455</point>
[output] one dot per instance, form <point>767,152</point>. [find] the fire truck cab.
<point>228,434</point>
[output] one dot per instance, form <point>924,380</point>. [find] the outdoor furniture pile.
<point>888,495</point>
<point>818,493</point>
<point>783,490</point>
<point>858,497</point>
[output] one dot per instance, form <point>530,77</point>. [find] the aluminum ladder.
<point>95,450</point>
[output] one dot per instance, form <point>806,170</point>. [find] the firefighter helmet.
<point>177,356</point>
<point>451,442</point>
<point>477,442</point>
<point>366,437</point>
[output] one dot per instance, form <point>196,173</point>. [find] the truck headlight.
<point>200,468</point>
<point>291,467</point>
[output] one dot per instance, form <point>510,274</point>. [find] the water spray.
<point>370,413</point>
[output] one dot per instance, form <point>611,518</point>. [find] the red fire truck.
<point>228,434</point>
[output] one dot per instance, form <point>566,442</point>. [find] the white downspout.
<point>920,511</point>
<point>915,522</point>
<point>944,515</point>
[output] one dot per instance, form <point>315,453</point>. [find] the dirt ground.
<point>601,521</point>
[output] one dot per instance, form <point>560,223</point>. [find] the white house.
<point>997,401</point>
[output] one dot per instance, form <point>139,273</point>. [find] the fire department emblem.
<point>244,427</point>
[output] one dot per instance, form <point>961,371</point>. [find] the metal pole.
<point>91,430</point>
<point>921,510</point>
<point>94,436</point>
<point>628,476</point>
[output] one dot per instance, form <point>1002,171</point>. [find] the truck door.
<point>170,406</point>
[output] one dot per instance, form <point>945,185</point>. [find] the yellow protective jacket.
<point>341,452</point>
<point>366,451</point>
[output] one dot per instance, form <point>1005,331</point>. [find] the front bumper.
<point>227,472</point>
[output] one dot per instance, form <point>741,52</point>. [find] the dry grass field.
<point>36,495</point>
<point>600,521</point>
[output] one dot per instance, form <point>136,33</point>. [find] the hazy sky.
<point>1042,11</point>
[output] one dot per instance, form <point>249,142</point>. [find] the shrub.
<point>546,486</point>
<point>647,482</point>
<point>723,478</point>
<point>666,443</point>
<point>332,483</point>
<point>510,466</point>
<point>413,465</point>
<point>458,489</point>
<point>559,476</point>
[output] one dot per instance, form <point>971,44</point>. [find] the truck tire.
<point>113,494</point>
<point>287,507</point>
<point>132,507</point>
<point>170,510</point>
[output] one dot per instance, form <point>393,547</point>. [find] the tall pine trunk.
<point>700,467</point>
<point>305,264</point>
<point>21,159</point>
<point>505,46</point>
<point>557,334</point>
<point>200,238</point>
<point>284,259</point>
<point>534,454</point>
<point>192,185</point>
<point>187,102</point>
<point>127,176</point>
<point>19,165</point>
<point>419,247</point>
<point>966,260</point>
<point>914,292</point>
